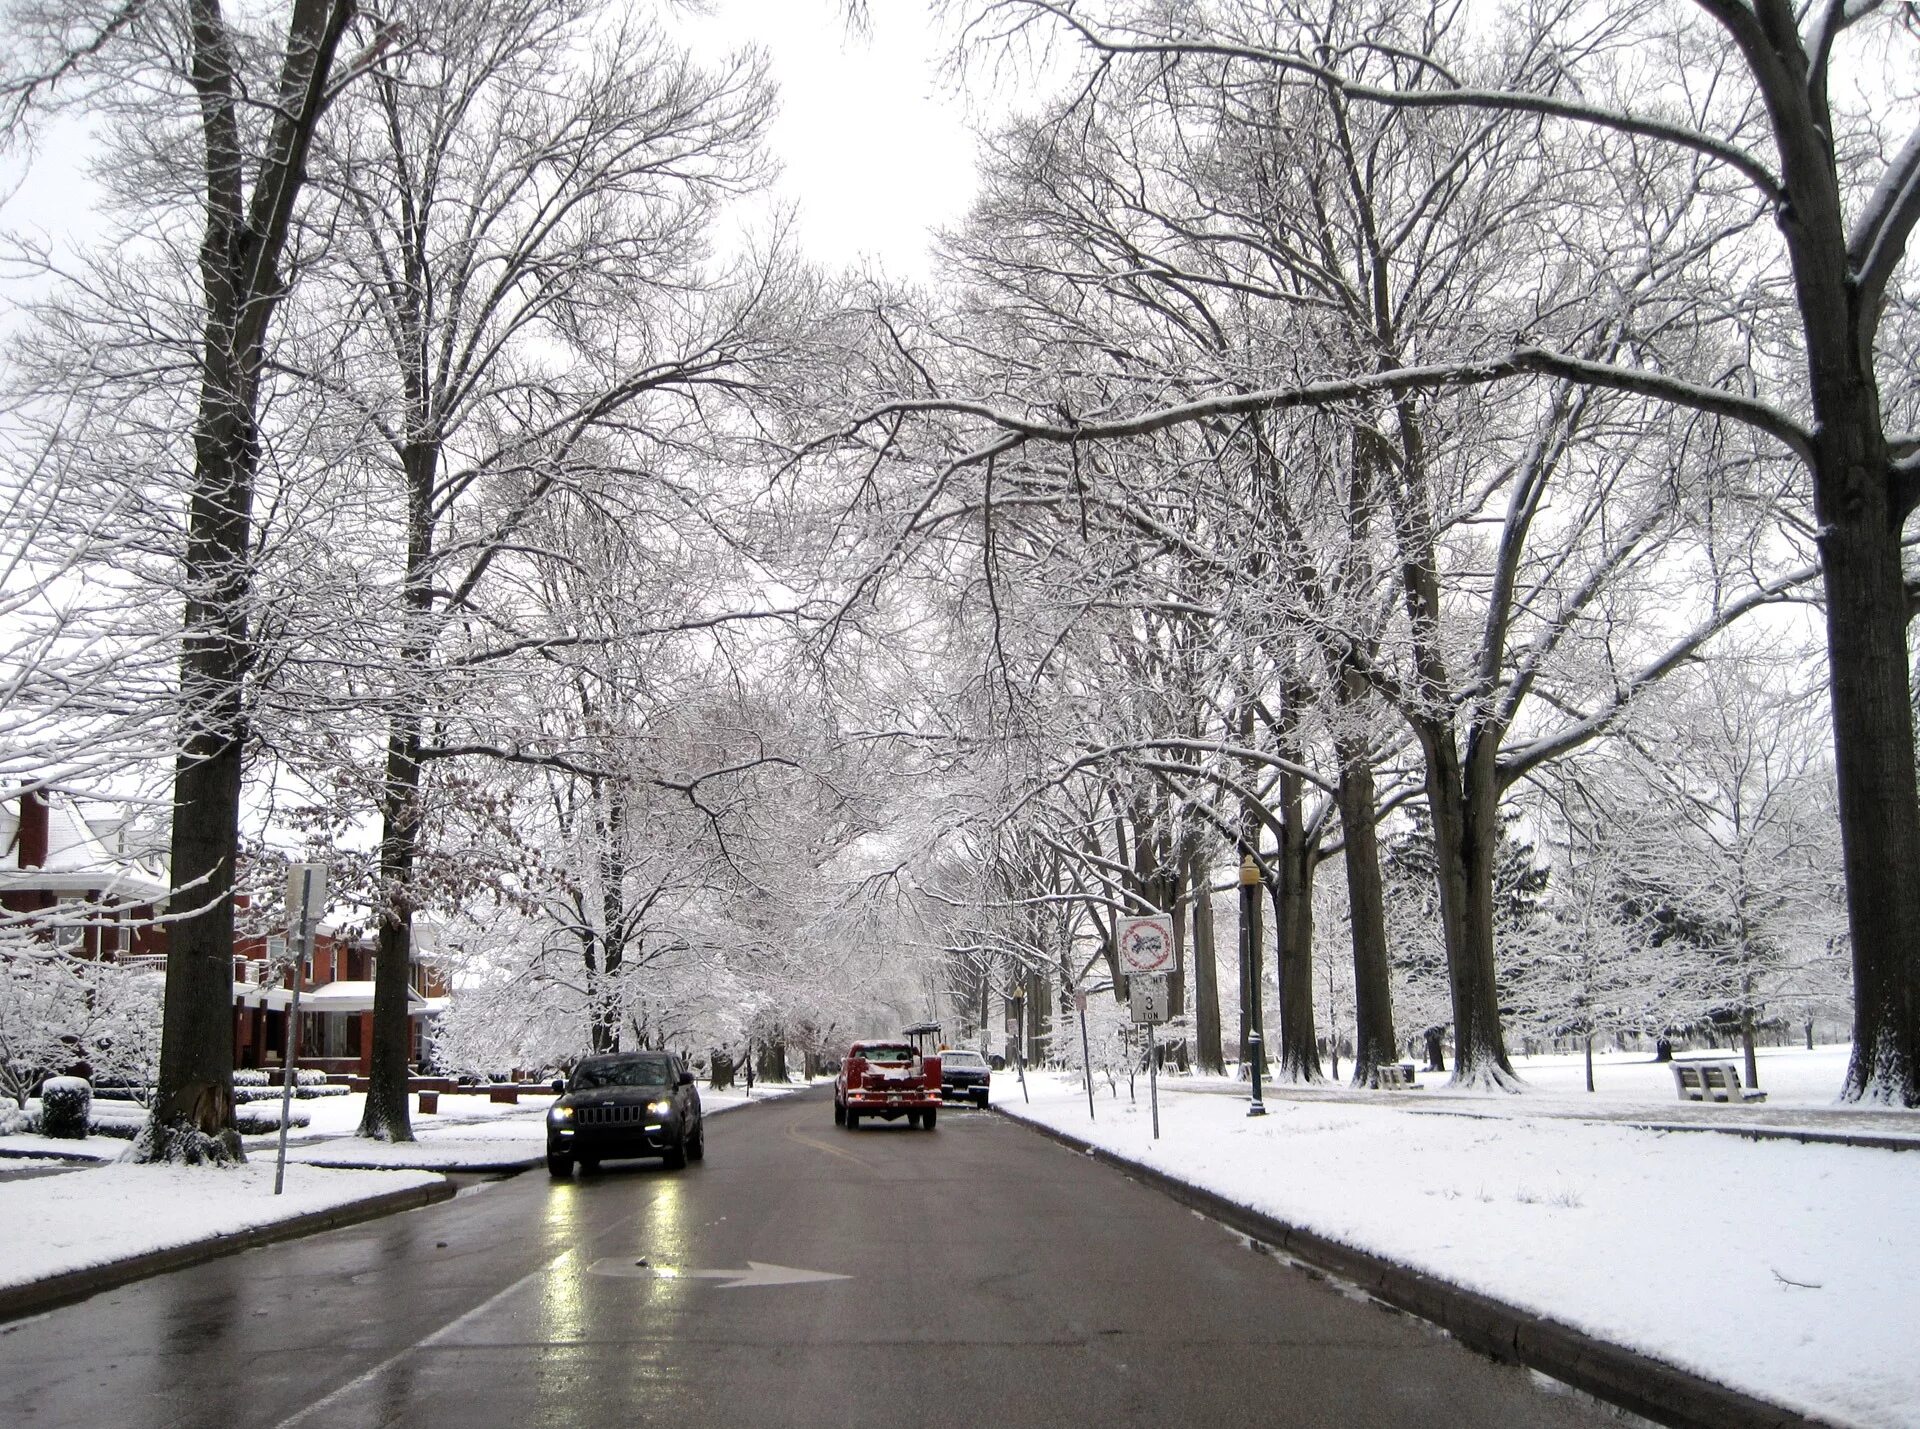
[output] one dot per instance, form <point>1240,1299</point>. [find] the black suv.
<point>964,1074</point>
<point>625,1104</point>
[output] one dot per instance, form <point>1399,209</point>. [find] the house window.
<point>123,938</point>
<point>69,932</point>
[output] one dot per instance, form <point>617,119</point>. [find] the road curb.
<point>63,1289</point>
<point>1649,1387</point>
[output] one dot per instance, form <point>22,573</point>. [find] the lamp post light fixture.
<point>1250,960</point>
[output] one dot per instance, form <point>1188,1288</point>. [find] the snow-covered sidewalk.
<point>1785,1270</point>
<point>52,1227</point>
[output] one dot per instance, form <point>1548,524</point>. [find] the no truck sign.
<point>1146,946</point>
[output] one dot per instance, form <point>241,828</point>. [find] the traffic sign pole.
<point>1086,1058</point>
<point>307,891</point>
<point>1153,1077</point>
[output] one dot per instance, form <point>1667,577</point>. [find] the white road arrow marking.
<point>756,1273</point>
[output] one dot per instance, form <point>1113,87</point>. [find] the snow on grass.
<point>1791,1076</point>
<point>1786,1270</point>
<point>36,1147</point>
<point>53,1224</point>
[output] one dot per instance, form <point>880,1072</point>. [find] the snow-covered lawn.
<point>1791,1076</point>
<point>53,1224</point>
<point>1787,1270</point>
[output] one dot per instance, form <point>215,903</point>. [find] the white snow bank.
<point>1783,1269</point>
<point>52,1224</point>
<point>443,1152</point>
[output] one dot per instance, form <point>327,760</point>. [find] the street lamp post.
<point>1250,961</point>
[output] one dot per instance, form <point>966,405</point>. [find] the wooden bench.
<point>1394,1075</point>
<point>1712,1082</point>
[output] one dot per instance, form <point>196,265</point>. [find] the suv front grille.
<point>610,1115</point>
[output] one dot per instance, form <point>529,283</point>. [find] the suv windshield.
<point>648,1071</point>
<point>963,1059</point>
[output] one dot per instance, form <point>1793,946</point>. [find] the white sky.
<point>872,137</point>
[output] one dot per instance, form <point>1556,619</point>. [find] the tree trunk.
<point>1206,991</point>
<point>1466,831</point>
<point>1374,1042</point>
<point>192,1117</point>
<point>1874,769</point>
<point>1435,1038</point>
<point>240,248</point>
<point>1293,924</point>
<point>387,1116</point>
<point>611,828</point>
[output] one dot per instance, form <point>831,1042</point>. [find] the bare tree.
<point>258,96</point>
<point>1768,128</point>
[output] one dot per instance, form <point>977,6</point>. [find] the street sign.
<point>306,898</point>
<point>1146,945</point>
<point>1148,997</point>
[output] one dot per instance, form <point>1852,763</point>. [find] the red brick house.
<point>80,880</point>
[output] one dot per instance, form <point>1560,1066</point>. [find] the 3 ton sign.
<point>1146,946</point>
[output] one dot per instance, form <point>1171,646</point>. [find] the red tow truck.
<point>887,1079</point>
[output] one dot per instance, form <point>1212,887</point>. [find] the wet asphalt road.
<point>992,1277</point>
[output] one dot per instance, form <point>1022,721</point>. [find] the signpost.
<point>306,900</point>
<point>1086,1057</point>
<point>1017,1032</point>
<point>1148,996</point>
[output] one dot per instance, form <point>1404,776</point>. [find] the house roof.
<point>85,855</point>
<point>347,995</point>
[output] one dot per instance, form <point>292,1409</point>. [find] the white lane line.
<point>391,1360</point>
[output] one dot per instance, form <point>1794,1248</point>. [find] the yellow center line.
<point>794,1133</point>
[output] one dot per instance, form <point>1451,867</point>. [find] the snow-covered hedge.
<point>243,1094</point>
<point>66,1103</point>
<point>268,1077</point>
<point>263,1117</point>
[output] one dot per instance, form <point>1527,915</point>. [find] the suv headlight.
<point>659,1108</point>
<point>560,1113</point>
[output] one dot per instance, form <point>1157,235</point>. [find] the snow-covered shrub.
<point>14,1121</point>
<point>66,1104</point>
<point>250,1077</point>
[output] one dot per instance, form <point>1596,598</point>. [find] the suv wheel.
<point>559,1165</point>
<point>980,1098</point>
<point>927,1116</point>
<point>676,1157</point>
<point>853,1119</point>
<point>839,1112</point>
<point>697,1148</point>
